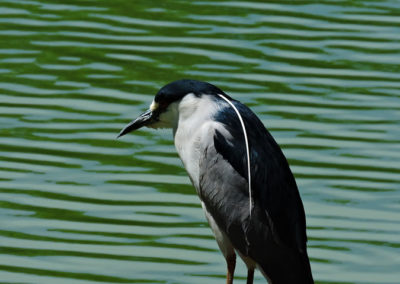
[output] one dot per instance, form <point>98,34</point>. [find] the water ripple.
<point>79,206</point>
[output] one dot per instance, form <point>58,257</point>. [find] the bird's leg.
<point>250,275</point>
<point>231,263</point>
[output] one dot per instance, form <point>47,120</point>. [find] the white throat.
<point>193,131</point>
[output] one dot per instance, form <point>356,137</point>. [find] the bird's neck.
<point>192,133</point>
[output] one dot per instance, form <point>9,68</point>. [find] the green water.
<point>79,206</point>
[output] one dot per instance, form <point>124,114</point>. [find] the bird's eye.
<point>162,106</point>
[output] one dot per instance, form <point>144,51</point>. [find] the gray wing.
<point>275,234</point>
<point>224,193</point>
<point>273,184</point>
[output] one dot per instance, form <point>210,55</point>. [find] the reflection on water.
<point>77,206</point>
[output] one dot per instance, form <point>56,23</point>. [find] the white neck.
<point>192,132</point>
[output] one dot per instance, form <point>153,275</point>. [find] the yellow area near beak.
<point>153,106</point>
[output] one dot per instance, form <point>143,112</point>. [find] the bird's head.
<point>164,110</point>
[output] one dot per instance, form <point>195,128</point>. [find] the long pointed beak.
<point>143,120</point>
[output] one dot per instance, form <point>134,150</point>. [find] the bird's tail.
<point>288,270</point>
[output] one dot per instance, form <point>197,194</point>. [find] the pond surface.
<point>79,206</point>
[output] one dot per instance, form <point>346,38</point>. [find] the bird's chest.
<point>188,143</point>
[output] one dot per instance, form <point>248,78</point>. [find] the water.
<point>79,206</point>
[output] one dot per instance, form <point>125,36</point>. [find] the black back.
<point>275,194</point>
<point>273,183</point>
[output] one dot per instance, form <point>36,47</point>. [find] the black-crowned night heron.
<point>245,185</point>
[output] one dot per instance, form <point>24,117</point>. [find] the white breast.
<point>195,131</point>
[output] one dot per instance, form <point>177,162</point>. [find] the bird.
<point>246,188</point>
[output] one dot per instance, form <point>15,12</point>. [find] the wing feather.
<point>274,186</point>
<point>275,235</point>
